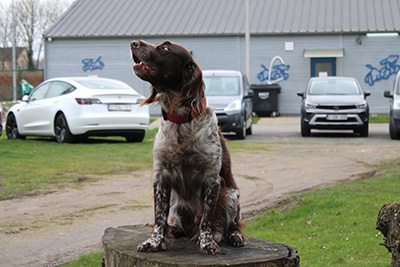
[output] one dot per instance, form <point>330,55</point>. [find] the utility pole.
<point>13,55</point>
<point>247,40</point>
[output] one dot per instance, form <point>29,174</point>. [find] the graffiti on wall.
<point>91,64</point>
<point>389,66</point>
<point>278,72</point>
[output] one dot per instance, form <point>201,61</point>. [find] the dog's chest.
<point>188,154</point>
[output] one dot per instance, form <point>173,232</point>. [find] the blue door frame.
<point>331,60</point>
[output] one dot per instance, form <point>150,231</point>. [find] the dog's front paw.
<point>237,239</point>
<point>207,244</point>
<point>153,244</point>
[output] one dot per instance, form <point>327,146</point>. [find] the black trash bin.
<point>265,100</point>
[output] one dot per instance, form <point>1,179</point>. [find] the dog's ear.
<point>152,98</point>
<point>193,89</point>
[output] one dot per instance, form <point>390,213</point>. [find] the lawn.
<point>36,165</point>
<point>333,226</point>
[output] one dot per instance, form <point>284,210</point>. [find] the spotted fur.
<point>195,194</point>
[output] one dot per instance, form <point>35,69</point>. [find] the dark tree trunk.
<point>389,224</point>
<point>120,250</point>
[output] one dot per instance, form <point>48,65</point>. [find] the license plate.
<point>119,107</point>
<point>336,117</point>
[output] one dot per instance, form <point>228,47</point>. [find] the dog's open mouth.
<point>140,67</point>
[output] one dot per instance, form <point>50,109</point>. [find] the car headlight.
<point>396,104</point>
<point>309,105</point>
<point>235,105</point>
<point>362,105</point>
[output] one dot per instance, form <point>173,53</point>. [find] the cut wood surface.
<point>120,250</point>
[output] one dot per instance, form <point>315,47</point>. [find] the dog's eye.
<point>165,48</point>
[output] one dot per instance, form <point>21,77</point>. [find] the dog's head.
<point>171,70</point>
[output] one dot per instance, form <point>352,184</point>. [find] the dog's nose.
<point>135,44</point>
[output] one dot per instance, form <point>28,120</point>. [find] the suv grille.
<point>332,107</point>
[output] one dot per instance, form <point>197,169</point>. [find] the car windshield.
<point>221,86</point>
<point>334,87</point>
<point>102,84</point>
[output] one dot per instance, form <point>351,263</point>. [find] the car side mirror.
<point>250,94</point>
<point>367,93</point>
<point>387,94</point>
<point>25,98</point>
<point>301,94</point>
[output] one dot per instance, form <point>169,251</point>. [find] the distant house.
<point>307,38</point>
<point>6,58</point>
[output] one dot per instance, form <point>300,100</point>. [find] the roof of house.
<point>103,18</point>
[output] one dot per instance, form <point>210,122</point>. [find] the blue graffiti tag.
<point>90,64</point>
<point>390,67</point>
<point>279,71</point>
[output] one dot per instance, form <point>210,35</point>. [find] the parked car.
<point>334,103</point>
<point>230,94</point>
<point>68,108</point>
<point>394,95</point>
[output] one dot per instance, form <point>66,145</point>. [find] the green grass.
<point>379,119</point>
<point>38,164</point>
<point>92,260</point>
<point>333,226</point>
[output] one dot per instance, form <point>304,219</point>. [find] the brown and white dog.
<point>195,194</point>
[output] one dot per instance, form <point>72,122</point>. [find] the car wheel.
<point>364,130</point>
<point>61,130</point>
<point>249,131</point>
<point>393,134</point>
<point>135,138</point>
<point>241,133</point>
<point>12,128</point>
<point>305,129</point>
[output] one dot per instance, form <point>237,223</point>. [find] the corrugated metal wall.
<point>64,58</point>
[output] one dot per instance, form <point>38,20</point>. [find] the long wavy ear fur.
<point>192,92</point>
<point>152,98</point>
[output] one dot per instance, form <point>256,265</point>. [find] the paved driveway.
<point>287,130</point>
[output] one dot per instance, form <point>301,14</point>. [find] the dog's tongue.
<point>141,68</point>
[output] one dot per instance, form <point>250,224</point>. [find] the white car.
<point>68,108</point>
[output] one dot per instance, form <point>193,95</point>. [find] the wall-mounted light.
<point>382,34</point>
<point>49,39</point>
<point>358,40</point>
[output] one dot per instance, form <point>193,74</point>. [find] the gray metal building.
<point>307,38</point>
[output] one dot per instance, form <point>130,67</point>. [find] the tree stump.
<point>389,224</point>
<point>120,250</point>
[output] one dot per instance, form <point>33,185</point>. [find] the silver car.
<point>336,103</point>
<point>229,93</point>
<point>394,95</point>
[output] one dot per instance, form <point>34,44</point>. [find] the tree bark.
<point>120,250</point>
<point>389,224</point>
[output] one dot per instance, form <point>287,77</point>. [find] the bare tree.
<point>27,13</point>
<point>32,17</point>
